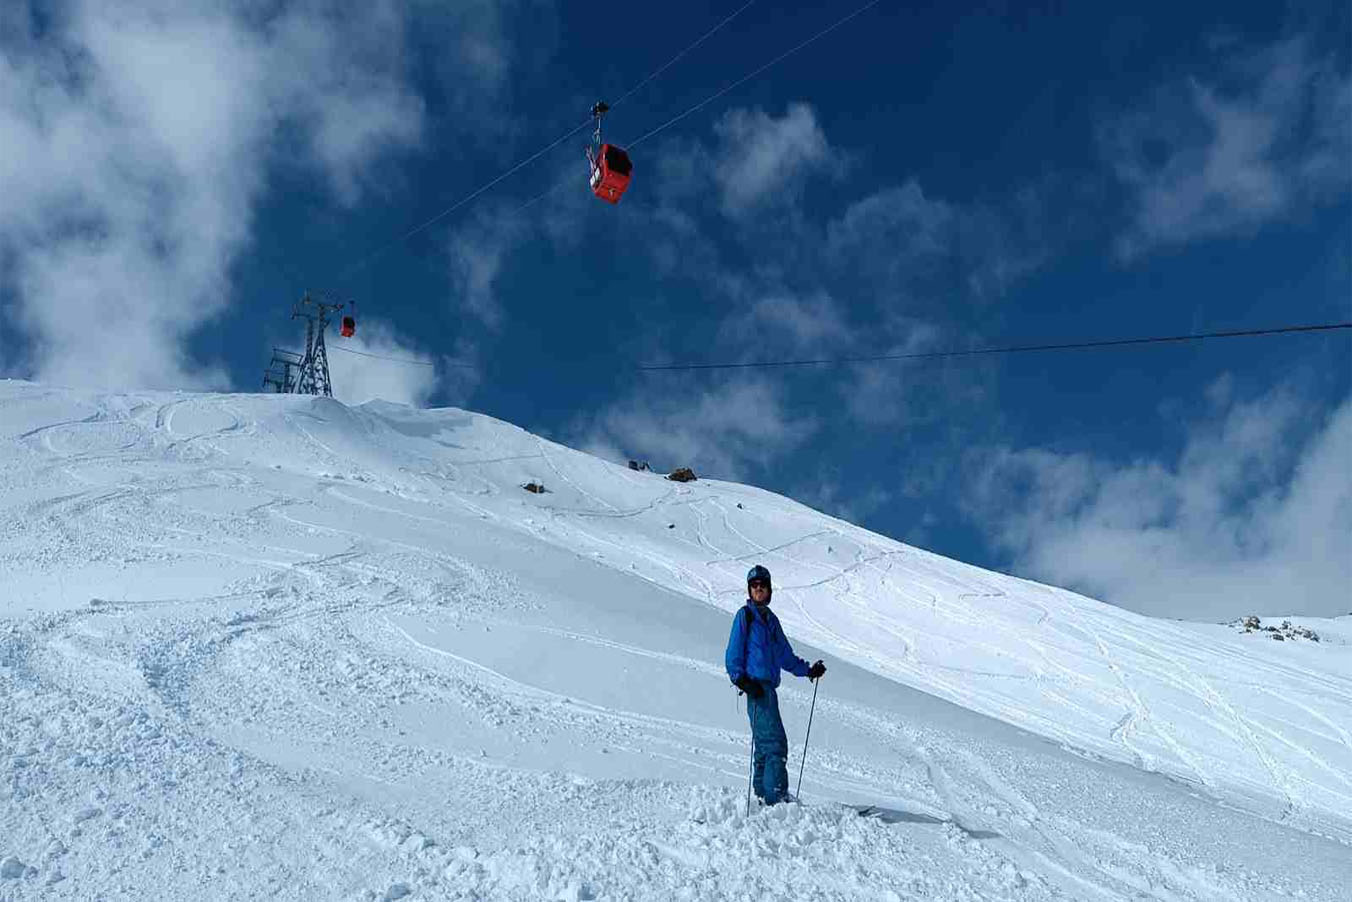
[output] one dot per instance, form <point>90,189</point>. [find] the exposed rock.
<point>1287,630</point>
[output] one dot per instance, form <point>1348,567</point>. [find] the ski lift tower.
<point>281,372</point>
<point>295,373</point>
<point>312,373</point>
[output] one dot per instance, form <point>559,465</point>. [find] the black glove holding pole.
<point>750,687</point>
<point>816,670</point>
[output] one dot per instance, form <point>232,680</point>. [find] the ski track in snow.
<point>276,647</point>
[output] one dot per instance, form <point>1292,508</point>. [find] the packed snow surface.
<point>276,647</point>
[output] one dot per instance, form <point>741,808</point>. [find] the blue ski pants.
<point>769,773</point>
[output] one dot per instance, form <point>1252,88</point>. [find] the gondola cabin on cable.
<point>610,165</point>
<point>348,327</point>
<point>610,173</point>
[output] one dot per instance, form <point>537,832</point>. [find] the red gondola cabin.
<point>610,173</point>
<point>349,327</point>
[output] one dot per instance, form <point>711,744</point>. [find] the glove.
<point>750,686</point>
<point>816,670</point>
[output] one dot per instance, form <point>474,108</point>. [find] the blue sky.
<point>175,174</point>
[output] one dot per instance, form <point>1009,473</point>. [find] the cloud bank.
<point>1270,136</point>
<point>377,363</point>
<point>138,138</point>
<point>1254,515</point>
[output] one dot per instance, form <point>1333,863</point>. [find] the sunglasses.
<point>758,584</point>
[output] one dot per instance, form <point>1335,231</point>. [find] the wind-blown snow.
<point>269,646</point>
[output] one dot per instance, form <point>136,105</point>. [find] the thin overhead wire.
<point>542,195</point>
<point>405,360</point>
<point>671,62</point>
<point>745,78</point>
<point>722,91</point>
<point>362,262</point>
<point>421,227</point>
<point>1008,349</point>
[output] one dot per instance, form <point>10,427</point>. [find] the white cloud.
<point>895,252</point>
<point>1272,136</point>
<point>897,394</point>
<point>477,252</point>
<point>395,371</point>
<point>903,244</point>
<point>895,213</point>
<point>757,161</point>
<point>1254,516</point>
<point>760,158</point>
<point>341,77</point>
<point>918,249</point>
<point>719,430</point>
<point>780,321</point>
<point>477,46</point>
<point>137,140</point>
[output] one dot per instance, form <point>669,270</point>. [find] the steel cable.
<point>363,261</point>
<point>1010,349</point>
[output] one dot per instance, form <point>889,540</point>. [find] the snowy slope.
<point>256,645</point>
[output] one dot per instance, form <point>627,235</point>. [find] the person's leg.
<point>774,746</point>
<point>753,715</point>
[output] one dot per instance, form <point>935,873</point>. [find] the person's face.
<point>760,591</point>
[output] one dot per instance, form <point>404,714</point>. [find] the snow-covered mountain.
<point>276,647</point>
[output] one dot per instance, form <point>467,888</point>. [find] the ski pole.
<point>798,793</point>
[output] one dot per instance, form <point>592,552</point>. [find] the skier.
<point>757,651</point>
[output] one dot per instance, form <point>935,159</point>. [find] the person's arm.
<point>734,659</point>
<point>785,656</point>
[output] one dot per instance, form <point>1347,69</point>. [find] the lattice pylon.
<point>313,376</point>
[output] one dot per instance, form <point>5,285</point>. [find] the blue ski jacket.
<point>759,649</point>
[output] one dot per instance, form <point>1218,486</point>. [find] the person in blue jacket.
<point>757,651</point>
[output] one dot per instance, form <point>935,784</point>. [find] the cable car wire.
<point>587,123</point>
<point>406,360</point>
<point>363,261</point>
<point>745,78</point>
<point>541,196</point>
<point>1009,349</point>
<point>674,59</point>
<point>712,97</point>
